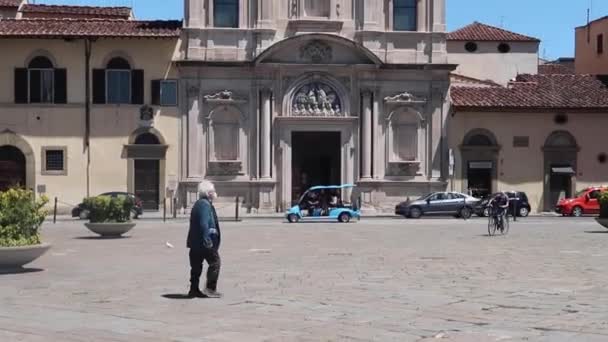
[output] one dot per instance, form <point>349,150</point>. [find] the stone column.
<point>366,135</point>
<point>266,141</point>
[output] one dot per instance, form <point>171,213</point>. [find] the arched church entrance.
<point>12,168</point>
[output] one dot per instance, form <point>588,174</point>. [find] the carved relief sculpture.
<point>316,99</point>
<point>316,52</point>
<point>405,98</point>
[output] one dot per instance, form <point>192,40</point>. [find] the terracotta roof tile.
<point>552,68</point>
<point>482,32</point>
<point>10,3</point>
<point>89,11</point>
<point>535,92</point>
<point>74,28</point>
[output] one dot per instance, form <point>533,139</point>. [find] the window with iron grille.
<point>54,161</point>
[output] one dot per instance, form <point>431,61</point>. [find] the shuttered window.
<point>40,82</point>
<point>164,92</point>
<point>118,83</point>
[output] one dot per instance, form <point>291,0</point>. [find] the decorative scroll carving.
<point>146,116</point>
<point>405,98</point>
<point>316,52</point>
<point>316,99</point>
<point>224,96</point>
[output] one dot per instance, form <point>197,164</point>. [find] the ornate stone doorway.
<point>315,160</point>
<point>12,167</point>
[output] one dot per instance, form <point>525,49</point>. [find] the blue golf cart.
<point>323,203</point>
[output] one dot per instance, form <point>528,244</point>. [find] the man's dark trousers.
<point>197,256</point>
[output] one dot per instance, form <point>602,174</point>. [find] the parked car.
<point>304,210</point>
<point>83,213</point>
<point>438,203</point>
<point>584,202</point>
<point>518,203</point>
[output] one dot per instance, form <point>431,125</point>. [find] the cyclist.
<point>499,203</point>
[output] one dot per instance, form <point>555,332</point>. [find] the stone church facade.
<point>277,96</point>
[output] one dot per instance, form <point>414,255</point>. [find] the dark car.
<point>83,213</point>
<point>438,203</point>
<point>518,203</point>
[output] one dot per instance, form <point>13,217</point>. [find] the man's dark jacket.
<point>203,221</point>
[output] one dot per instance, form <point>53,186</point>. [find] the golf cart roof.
<point>322,187</point>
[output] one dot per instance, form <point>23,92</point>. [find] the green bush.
<point>20,217</point>
<point>603,199</point>
<point>109,209</point>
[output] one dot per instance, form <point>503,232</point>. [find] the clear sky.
<point>552,21</point>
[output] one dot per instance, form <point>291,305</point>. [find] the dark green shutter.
<point>99,86</point>
<point>156,92</point>
<point>20,85</point>
<point>137,87</point>
<point>61,86</point>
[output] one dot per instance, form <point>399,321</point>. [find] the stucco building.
<point>540,132</point>
<point>88,103</point>
<point>281,95</point>
<point>592,47</point>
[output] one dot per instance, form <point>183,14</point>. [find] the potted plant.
<point>603,218</point>
<point>20,219</point>
<point>109,216</point>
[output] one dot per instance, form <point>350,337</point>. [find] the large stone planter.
<point>603,221</point>
<point>16,257</point>
<point>110,229</point>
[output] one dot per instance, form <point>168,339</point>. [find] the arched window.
<point>225,134</point>
<point>480,138</point>
<point>41,80</point>
<point>118,84</point>
<point>561,139</point>
<point>405,130</point>
<point>226,13</point>
<point>405,15</point>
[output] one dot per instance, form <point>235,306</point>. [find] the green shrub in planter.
<point>106,209</point>
<point>603,199</point>
<point>20,217</point>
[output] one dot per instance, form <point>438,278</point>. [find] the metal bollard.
<point>236,209</point>
<point>165,209</point>
<point>174,207</point>
<point>55,212</point>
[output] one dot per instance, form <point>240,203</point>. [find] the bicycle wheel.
<point>505,225</point>
<point>491,225</point>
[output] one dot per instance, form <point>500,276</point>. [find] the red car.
<point>584,202</point>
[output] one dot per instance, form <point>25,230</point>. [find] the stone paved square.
<point>375,280</point>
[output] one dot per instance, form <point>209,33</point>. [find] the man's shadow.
<point>176,296</point>
<point>19,270</point>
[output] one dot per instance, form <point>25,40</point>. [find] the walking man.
<point>204,239</point>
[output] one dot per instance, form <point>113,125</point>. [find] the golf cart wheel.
<point>415,213</point>
<point>344,218</point>
<point>524,212</point>
<point>465,213</point>
<point>292,218</point>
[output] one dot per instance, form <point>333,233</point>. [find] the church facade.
<point>277,96</point>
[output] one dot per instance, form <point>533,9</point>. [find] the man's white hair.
<point>205,188</point>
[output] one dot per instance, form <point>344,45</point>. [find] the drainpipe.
<point>87,109</point>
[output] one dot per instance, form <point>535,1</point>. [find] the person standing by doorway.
<point>204,238</point>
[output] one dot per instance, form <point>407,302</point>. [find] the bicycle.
<point>498,222</point>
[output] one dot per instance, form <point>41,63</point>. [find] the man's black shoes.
<point>196,293</point>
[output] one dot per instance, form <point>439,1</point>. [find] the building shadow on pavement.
<point>20,270</point>
<point>176,296</point>
<point>596,231</point>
